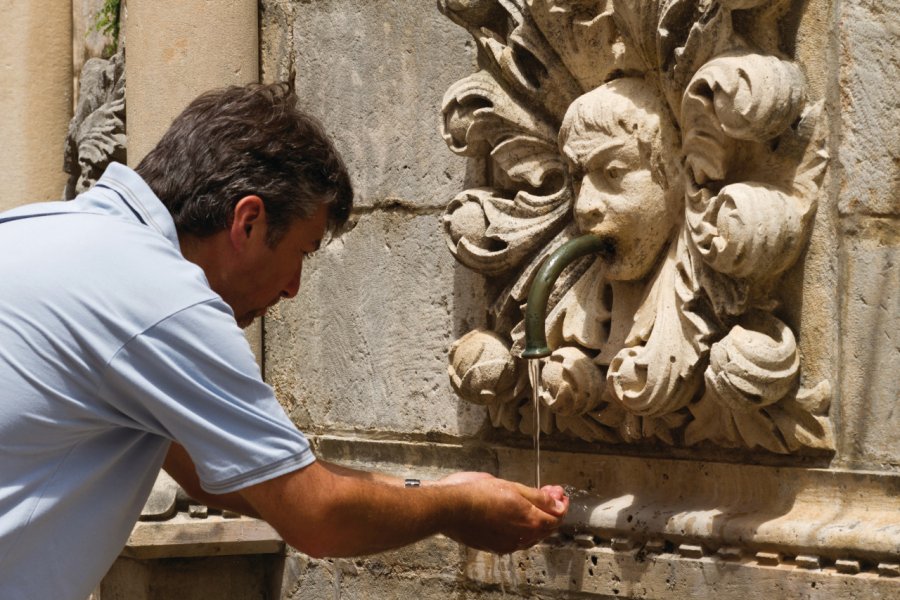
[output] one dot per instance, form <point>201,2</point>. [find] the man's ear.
<point>248,221</point>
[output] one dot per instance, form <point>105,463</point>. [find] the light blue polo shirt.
<point>112,345</point>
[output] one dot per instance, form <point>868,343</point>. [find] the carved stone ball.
<point>572,382</point>
<point>468,221</point>
<point>481,369</point>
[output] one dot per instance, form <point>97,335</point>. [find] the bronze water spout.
<point>536,309</point>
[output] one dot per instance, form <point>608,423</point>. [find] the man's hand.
<point>505,516</point>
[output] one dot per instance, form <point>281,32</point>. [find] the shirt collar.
<point>135,192</point>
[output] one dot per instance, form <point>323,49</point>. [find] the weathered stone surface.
<point>363,347</point>
<point>375,72</point>
<point>793,511</point>
<point>566,571</point>
<point>869,103</point>
<point>870,357</point>
<point>35,99</point>
<point>97,131</point>
<point>429,461</point>
<point>177,50</point>
<point>220,577</point>
<point>432,562</point>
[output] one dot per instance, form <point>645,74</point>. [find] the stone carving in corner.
<point>677,131</point>
<point>96,134</point>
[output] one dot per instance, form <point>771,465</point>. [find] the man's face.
<point>264,275</point>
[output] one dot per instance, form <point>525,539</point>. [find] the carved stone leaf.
<point>587,39</point>
<point>709,34</point>
<point>751,230</point>
<point>491,235</point>
<point>582,315</point>
<point>479,114</point>
<point>491,18</point>
<point>756,364</point>
<point>799,428</point>
<point>530,161</point>
<point>787,426</point>
<point>754,97</point>
<point>572,384</point>
<point>482,370</point>
<point>757,429</point>
<point>516,52</point>
<point>709,423</point>
<point>587,428</point>
<point>705,146</point>
<point>536,72</point>
<point>659,375</point>
<point>504,416</point>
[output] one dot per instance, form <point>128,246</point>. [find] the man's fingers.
<point>551,499</point>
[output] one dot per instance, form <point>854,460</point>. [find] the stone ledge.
<point>829,513</point>
<point>184,536</point>
<point>562,568</point>
<point>721,509</point>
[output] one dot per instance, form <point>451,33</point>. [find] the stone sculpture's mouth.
<point>607,248</point>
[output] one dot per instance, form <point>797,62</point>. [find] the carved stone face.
<point>618,199</point>
<point>609,137</point>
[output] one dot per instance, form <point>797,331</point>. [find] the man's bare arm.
<point>330,510</point>
<point>179,465</point>
<point>326,510</point>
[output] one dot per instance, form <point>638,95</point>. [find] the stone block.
<point>185,49</point>
<point>869,128</point>
<point>363,347</point>
<point>428,570</point>
<point>375,72</point>
<point>220,577</point>
<point>35,100</point>
<point>870,344</point>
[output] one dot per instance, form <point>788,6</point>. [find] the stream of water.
<point>534,375</point>
<point>337,577</point>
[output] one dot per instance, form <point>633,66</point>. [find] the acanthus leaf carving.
<point>96,134</point>
<point>657,371</point>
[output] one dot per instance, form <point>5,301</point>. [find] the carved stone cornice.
<point>726,510</point>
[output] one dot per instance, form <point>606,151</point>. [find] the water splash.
<point>534,375</point>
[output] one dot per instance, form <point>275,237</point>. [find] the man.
<point>120,352</point>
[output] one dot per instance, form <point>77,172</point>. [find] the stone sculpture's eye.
<point>613,173</point>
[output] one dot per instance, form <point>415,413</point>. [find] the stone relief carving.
<point>678,131</point>
<point>96,133</point>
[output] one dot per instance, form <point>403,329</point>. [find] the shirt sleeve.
<point>192,378</point>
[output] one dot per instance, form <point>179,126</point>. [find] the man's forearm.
<point>343,512</point>
<point>325,510</point>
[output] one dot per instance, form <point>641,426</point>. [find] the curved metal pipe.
<point>536,309</point>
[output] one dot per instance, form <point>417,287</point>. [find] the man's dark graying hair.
<point>247,140</point>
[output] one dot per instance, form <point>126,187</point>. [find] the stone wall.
<point>360,357</point>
